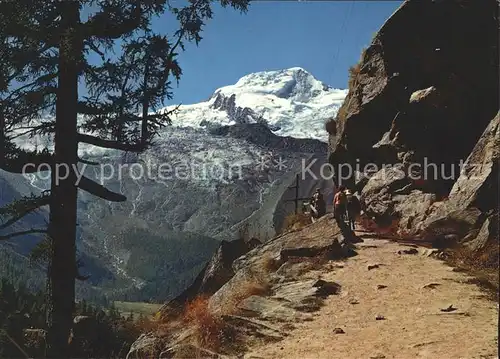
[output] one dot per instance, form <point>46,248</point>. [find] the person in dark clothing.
<point>353,208</point>
<point>318,205</point>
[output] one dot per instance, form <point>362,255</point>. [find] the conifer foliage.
<point>101,333</point>
<point>45,51</point>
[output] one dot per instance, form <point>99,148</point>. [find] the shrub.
<point>353,75</point>
<point>210,330</point>
<point>342,113</point>
<point>392,230</point>
<point>331,127</point>
<point>269,263</point>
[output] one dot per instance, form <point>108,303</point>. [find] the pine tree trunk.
<point>144,124</point>
<point>2,140</point>
<point>62,225</point>
<point>145,104</point>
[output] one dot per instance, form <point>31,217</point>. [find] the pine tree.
<point>44,50</point>
<point>130,317</point>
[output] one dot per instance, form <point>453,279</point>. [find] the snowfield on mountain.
<point>291,102</point>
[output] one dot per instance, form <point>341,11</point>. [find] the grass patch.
<point>353,75</point>
<point>269,263</point>
<point>247,289</point>
<point>354,72</point>
<point>137,308</point>
<point>257,283</point>
<point>211,331</point>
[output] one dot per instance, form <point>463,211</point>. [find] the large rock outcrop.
<point>478,183</point>
<point>320,238</point>
<point>472,204</point>
<point>420,102</point>
<point>426,87</point>
<point>214,275</point>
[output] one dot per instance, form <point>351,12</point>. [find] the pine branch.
<point>44,128</point>
<point>41,80</point>
<point>96,141</point>
<point>28,58</point>
<point>87,162</point>
<point>113,23</point>
<point>89,108</point>
<point>22,233</point>
<point>95,48</point>
<point>22,207</point>
<point>100,191</point>
<point>24,162</point>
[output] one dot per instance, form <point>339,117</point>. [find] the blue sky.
<point>275,35</point>
<point>323,37</point>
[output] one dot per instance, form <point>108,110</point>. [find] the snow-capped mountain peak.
<point>294,83</point>
<point>291,102</point>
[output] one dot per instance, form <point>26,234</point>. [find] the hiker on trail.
<point>340,205</point>
<point>353,208</point>
<point>318,205</point>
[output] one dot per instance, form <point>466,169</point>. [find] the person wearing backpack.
<point>340,205</point>
<point>318,205</point>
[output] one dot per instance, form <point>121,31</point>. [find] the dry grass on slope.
<point>210,330</point>
<point>295,222</point>
<point>482,265</point>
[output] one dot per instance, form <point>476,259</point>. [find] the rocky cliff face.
<point>423,100</point>
<point>427,86</point>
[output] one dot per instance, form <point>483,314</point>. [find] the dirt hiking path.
<point>408,291</point>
